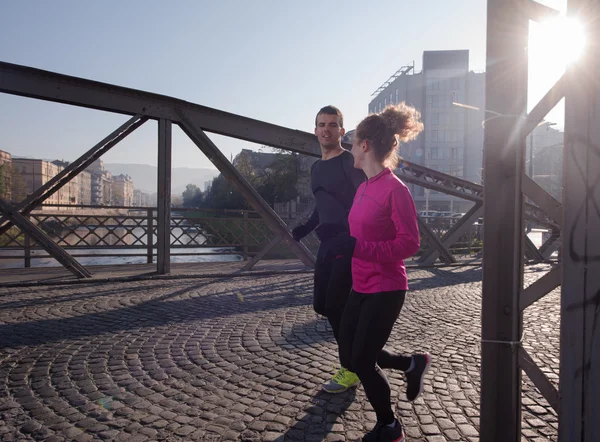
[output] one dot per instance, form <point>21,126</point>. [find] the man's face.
<point>328,131</point>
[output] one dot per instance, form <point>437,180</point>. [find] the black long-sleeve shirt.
<point>334,183</point>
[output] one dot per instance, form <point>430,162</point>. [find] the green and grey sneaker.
<point>343,380</point>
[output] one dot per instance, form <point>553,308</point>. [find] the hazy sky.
<point>277,61</point>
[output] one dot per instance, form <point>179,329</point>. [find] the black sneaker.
<point>385,433</point>
<point>414,378</point>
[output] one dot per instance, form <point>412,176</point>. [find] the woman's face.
<point>358,151</point>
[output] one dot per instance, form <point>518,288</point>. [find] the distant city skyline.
<point>266,60</point>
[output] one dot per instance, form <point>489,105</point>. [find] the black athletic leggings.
<point>366,325</point>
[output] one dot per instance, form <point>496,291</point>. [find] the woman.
<point>383,233</point>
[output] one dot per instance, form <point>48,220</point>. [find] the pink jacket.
<point>383,219</point>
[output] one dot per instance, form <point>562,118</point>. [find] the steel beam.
<point>580,304</point>
<point>44,240</point>
<point>452,235</point>
<point>540,288</point>
<point>266,249</point>
<point>550,205</point>
<point>193,130</point>
<point>436,245</point>
<point>551,244</point>
<point>163,239</point>
<point>531,251</point>
<point>73,169</point>
<point>45,85</point>
<point>545,105</point>
<point>539,379</point>
<point>434,180</point>
<point>504,151</point>
<point>538,12</point>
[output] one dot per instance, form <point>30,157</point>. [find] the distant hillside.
<point>144,176</point>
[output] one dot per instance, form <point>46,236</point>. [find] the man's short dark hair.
<point>331,110</point>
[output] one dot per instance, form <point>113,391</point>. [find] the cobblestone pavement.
<point>240,359</point>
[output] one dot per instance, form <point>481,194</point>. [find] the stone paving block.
<point>184,359</point>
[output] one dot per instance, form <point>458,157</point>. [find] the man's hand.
<point>300,232</point>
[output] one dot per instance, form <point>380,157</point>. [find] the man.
<point>334,181</point>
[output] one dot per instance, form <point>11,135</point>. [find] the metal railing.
<point>131,232</point>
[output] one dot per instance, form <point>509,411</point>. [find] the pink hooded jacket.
<point>383,219</point>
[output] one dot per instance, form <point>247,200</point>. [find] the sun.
<point>553,45</point>
<point>555,42</point>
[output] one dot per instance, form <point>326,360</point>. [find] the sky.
<point>272,60</point>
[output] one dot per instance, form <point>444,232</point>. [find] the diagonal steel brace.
<point>44,240</point>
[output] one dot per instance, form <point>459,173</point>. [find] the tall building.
<point>101,179</point>
<point>450,99</point>
<point>85,188</point>
<point>108,198</point>
<point>122,188</point>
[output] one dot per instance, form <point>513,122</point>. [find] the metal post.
<point>163,242</point>
<point>504,146</point>
<point>150,236</point>
<point>27,246</point>
<point>580,304</point>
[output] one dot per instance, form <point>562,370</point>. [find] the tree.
<point>223,195</point>
<point>284,177</point>
<point>189,195</point>
<point>275,183</point>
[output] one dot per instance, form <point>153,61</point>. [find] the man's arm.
<point>302,230</point>
<point>313,221</point>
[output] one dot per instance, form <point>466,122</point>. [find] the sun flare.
<point>555,42</point>
<point>553,45</point>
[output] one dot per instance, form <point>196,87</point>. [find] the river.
<point>181,242</point>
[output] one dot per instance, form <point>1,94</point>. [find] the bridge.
<point>73,355</point>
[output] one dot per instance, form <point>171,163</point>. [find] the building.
<point>451,101</point>
<point>101,184</point>
<point>30,174</point>
<point>122,190</point>
<point>5,158</point>
<point>5,175</point>
<point>79,188</point>
<point>141,198</point>
<point>85,188</point>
